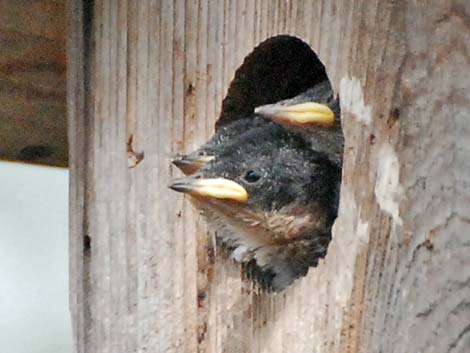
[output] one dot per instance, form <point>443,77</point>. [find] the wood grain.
<point>33,125</point>
<point>144,275</point>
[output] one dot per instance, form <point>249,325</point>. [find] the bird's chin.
<point>257,228</point>
<point>283,242</point>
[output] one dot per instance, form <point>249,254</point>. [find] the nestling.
<point>316,115</point>
<point>272,198</point>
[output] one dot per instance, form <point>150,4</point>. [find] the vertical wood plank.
<point>146,80</point>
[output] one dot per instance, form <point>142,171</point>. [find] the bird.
<point>315,114</point>
<point>272,199</point>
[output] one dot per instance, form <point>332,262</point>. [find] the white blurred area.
<point>34,314</point>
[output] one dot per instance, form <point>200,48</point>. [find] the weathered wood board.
<point>33,122</point>
<point>146,80</point>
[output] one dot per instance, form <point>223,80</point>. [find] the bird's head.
<point>190,163</point>
<point>315,107</point>
<point>267,186</point>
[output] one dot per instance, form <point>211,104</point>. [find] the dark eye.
<point>201,153</point>
<point>251,176</point>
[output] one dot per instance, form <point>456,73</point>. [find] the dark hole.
<point>86,243</point>
<point>280,67</point>
<point>394,117</point>
<point>34,152</point>
<point>190,89</point>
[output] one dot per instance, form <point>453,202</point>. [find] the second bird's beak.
<point>191,163</point>
<point>310,113</point>
<point>218,188</point>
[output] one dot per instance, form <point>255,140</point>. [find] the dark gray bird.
<point>316,115</point>
<point>273,200</point>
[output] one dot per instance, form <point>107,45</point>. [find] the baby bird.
<point>316,115</point>
<point>273,199</point>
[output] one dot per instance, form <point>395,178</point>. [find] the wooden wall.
<point>146,80</point>
<point>33,124</point>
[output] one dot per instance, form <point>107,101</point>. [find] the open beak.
<point>298,114</point>
<point>218,188</point>
<point>191,163</point>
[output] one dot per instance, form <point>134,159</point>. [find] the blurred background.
<point>34,314</point>
<point>34,259</point>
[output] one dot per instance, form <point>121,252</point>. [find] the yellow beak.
<point>298,114</point>
<point>218,188</point>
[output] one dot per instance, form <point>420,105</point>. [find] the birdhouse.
<point>150,79</point>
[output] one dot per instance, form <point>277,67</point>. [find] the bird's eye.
<point>201,153</point>
<point>251,176</point>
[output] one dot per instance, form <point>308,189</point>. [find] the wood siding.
<point>146,79</point>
